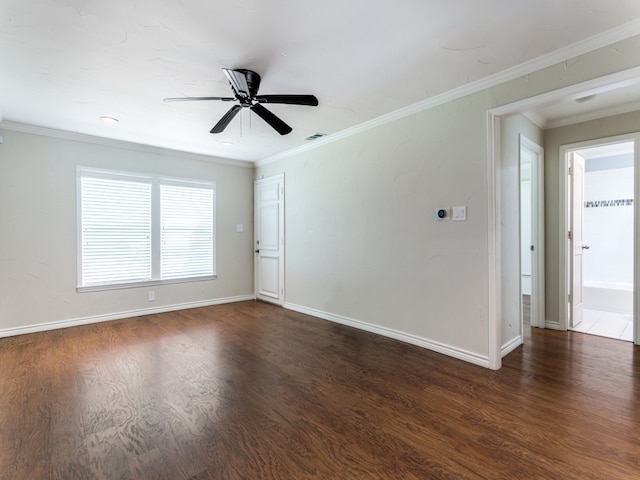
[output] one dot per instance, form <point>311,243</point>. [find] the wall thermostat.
<point>442,213</point>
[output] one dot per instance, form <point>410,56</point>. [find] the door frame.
<point>575,246</point>
<point>280,179</point>
<point>537,235</point>
<point>563,211</point>
<point>494,174</point>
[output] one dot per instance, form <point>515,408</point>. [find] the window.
<point>137,230</point>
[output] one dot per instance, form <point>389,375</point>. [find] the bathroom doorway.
<point>601,241</point>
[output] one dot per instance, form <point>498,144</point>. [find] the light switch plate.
<point>459,214</point>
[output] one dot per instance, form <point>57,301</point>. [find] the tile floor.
<point>606,324</point>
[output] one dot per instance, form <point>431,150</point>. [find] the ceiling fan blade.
<point>309,100</point>
<point>226,119</point>
<point>279,126</point>
<point>191,99</point>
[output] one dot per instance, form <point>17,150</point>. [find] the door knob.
<point>586,247</point>
<point>257,251</point>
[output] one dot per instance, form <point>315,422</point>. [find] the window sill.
<point>150,283</point>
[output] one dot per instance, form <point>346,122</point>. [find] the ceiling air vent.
<point>315,136</point>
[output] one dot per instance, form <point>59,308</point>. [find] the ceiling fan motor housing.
<point>253,82</point>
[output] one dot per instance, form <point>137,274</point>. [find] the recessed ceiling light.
<point>226,144</point>
<point>107,119</point>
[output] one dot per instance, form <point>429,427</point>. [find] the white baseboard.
<point>395,334</point>
<point>511,346</point>
<point>552,325</point>
<point>42,327</point>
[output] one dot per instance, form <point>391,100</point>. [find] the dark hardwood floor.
<point>253,391</point>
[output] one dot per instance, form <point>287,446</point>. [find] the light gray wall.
<point>38,230</point>
<point>362,241</point>
<point>511,129</point>
<point>554,139</point>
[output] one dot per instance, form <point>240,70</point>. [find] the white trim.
<point>636,240</point>
<point>43,327</point>
<point>535,118</point>
<point>552,325</point>
<point>580,48</point>
<point>395,334</point>
<point>494,260</point>
<point>512,345</point>
<point>148,283</point>
<point>112,142</point>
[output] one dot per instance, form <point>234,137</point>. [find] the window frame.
<point>155,181</point>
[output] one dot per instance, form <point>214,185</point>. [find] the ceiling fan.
<point>245,84</point>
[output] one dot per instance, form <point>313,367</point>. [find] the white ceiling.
<point>67,62</point>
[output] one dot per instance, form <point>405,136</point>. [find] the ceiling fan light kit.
<point>245,84</point>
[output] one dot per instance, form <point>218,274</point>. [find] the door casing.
<point>575,242</point>
<point>564,225</point>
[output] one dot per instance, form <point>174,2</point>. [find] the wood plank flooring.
<point>253,391</point>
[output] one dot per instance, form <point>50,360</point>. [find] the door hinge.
<point>569,298</point>
<point>570,171</point>
<point>532,248</point>
<point>570,235</point>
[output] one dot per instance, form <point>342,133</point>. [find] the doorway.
<point>600,244</point>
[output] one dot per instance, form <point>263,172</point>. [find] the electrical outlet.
<point>152,296</point>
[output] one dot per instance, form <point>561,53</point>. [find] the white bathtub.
<point>608,297</point>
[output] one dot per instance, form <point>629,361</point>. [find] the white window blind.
<point>116,231</point>
<point>186,242</point>
<point>137,230</point>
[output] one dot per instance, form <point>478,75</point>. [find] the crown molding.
<point>110,142</point>
<point>590,44</point>
<point>535,118</point>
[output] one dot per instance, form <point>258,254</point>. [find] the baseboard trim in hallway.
<point>395,334</point>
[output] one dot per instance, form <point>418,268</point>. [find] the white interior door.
<point>532,227</point>
<point>269,239</point>
<point>576,245</point>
